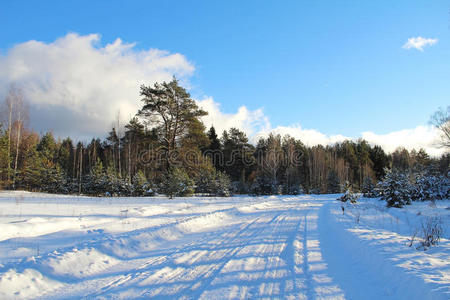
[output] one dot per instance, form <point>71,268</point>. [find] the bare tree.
<point>118,142</point>
<point>9,110</point>
<point>273,157</point>
<point>17,117</point>
<point>441,120</point>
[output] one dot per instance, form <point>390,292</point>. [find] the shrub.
<point>431,232</point>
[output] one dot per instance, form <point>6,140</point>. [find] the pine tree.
<point>214,142</point>
<point>170,108</point>
<point>238,154</point>
<point>380,161</point>
<point>213,150</point>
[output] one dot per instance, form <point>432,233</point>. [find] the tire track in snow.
<point>195,290</point>
<point>123,278</point>
<point>308,277</point>
<point>253,291</point>
<point>230,255</point>
<point>207,281</point>
<point>289,256</point>
<point>170,261</point>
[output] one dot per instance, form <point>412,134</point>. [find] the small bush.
<point>431,232</point>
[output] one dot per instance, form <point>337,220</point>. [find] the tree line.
<point>166,148</point>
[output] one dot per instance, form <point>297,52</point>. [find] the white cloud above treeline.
<point>419,43</point>
<point>76,86</point>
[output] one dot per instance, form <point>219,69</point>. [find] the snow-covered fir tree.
<point>292,189</point>
<point>333,183</point>
<point>348,195</point>
<point>213,183</point>
<point>177,183</point>
<point>141,186</point>
<point>431,187</point>
<point>396,189</point>
<point>263,185</point>
<point>369,188</point>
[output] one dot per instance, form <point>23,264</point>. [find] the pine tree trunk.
<point>74,167</point>
<point>129,162</point>
<point>80,170</point>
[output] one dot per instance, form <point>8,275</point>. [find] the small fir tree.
<point>141,186</point>
<point>368,188</point>
<point>177,183</point>
<point>333,183</point>
<point>348,195</point>
<point>263,185</point>
<point>396,189</point>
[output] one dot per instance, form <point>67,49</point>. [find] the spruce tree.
<point>396,189</point>
<point>333,183</point>
<point>141,186</point>
<point>368,188</point>
<point>177,183</point>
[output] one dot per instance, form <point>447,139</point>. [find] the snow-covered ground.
<point>294,247</point>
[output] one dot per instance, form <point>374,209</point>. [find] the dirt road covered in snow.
<point>298,247</point>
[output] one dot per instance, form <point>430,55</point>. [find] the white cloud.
<point>76,86</point>
<point>419,43</point>
<point>309,137</point>
<point>420,137</point>
<point>256,124</point>
<point>244,119</point>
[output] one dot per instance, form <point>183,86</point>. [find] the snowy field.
<point>299,247</point>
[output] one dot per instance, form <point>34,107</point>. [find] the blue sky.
<point>334,66</point>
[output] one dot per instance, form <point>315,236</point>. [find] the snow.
<point>293,247</point>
